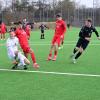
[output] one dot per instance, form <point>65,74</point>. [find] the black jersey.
<point>42,27</point>
<point>87,32</point>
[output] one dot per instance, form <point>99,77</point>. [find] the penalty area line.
<point>53,73</point>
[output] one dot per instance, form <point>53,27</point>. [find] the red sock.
<point>33,57</point>
<point>55,53</point>
<point>50,54</point>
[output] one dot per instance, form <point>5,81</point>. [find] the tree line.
<point>45,11</point>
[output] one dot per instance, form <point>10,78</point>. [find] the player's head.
<point>58,16</point>
<point>20,24</point>
<point>12,29</point>
<point>88,22</point>
<point>12,34</point>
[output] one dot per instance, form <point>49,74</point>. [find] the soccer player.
<point>23,40</point>
<point>42,28</point>
<point>14,54</point>
<point>2,30</point>
<point>84,39</point>
<point>59,32</point>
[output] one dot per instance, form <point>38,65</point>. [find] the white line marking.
<point>69,44</point>
<point>53,73</point>
<point>64,44</point>
<point>64,41</point>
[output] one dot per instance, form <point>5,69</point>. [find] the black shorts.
<point>82,43</point>
<point>42,31</point>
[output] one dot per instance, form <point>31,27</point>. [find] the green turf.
<point>37,86</point>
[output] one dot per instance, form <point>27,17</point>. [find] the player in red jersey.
<point>23,40</point>
<point>2,30</point>
<point>28,30</point>
<point>59,33</point>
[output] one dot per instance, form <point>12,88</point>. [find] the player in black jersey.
<point>42,27</point>
<point>84,39</point>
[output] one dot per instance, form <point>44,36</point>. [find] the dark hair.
<point>59,15</point>
<point>12,29</point>
<point>89,20</point>
<point>19,22</point>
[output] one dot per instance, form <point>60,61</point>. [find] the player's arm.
<point>96,32</point>
<point>46,26</point>
<point>40,27</point>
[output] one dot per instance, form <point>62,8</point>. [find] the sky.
<point>87,3</point>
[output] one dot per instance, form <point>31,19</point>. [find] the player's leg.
<point>12,56</point>
<point>57,43</point>
<point>76,50</point>
<point>55,52</point>
<point>50,52</point>
<point>78,45</point>
<point>61,43</point>
<point>27,50</point>
<point>81,49</point>
<point>25,54</point>
<point>43,35</point>
<point>35,65</point>
<point>23,60</point>
<point>3,36</point>
<point>26,61</point>
<point>52,47</point>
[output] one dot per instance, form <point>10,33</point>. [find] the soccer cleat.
<point>25,67</point>
<point>15,66</point>
<point>55,57</point>
<point>59,48</point>
<point>74,61</point>
<point>49,58</point>
<point>36,65</point>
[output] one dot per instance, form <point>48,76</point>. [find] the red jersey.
<point>3,28</point>
<point>22,36</point>
<point>27,30</point>
<point>60,27</point>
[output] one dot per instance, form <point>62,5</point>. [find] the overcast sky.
<point>88,3</point>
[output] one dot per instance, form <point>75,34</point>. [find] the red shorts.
<point>56,39</point>
<point>3,31</point>
<point>26,48</point>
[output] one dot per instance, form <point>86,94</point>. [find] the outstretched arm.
<point>96,32</point>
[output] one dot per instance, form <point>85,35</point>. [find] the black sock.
<point>74,51</point>
<point>78,55</point>
<point>62,43</point>
<point>41,36</point>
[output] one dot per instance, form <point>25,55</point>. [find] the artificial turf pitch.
<point>51,86</point>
